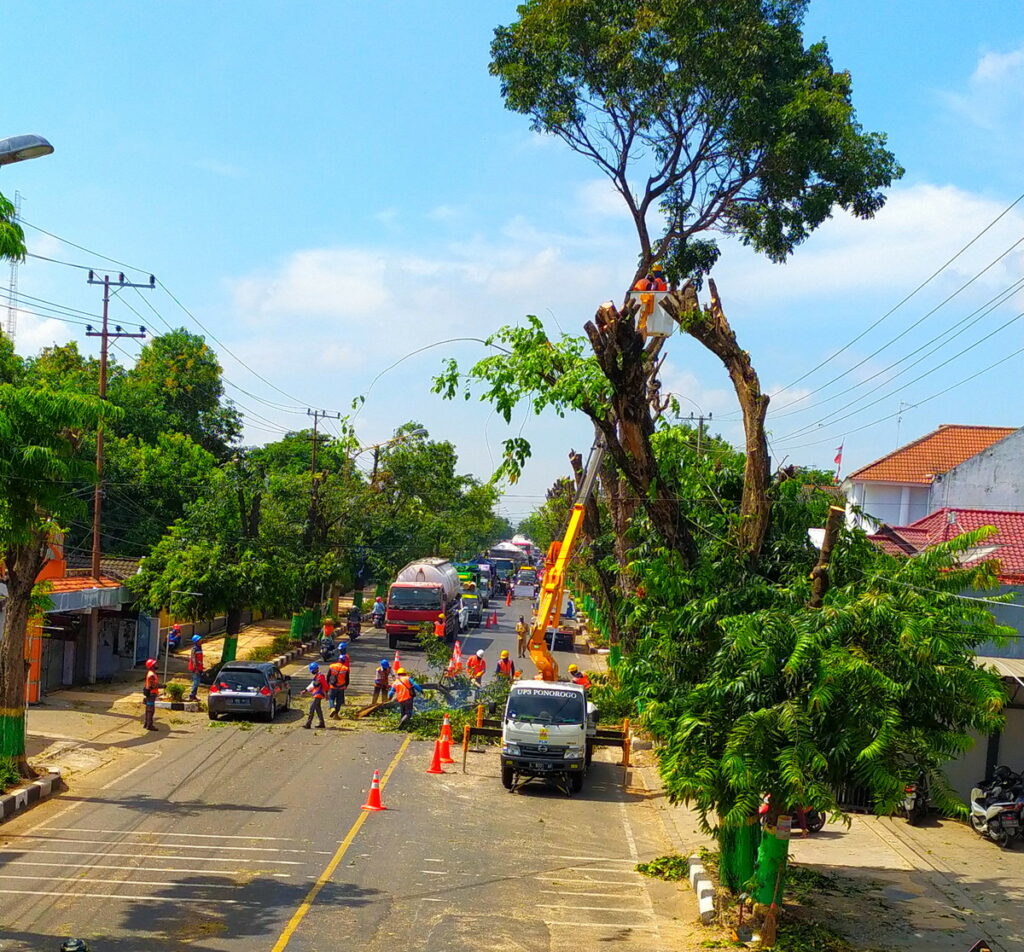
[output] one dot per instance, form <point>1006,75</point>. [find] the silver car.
<point>249,687</point>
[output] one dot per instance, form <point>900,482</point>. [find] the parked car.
<point>249,687</point>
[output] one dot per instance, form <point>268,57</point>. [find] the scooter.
<point>807,819</point>
<point>326,649</point>
<point>378,620</point>
<point>915,800</point>
<point>352,628</point>
<point>995,806</point>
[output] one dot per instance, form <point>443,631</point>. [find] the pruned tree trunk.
<point>24,562</point>
<point>711,327</point>
<point>627,429</point>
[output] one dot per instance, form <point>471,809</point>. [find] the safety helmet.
<point>440,617</point>
<point>379,599</point>
<point>401,671</point>
<point>384,663</point>
<point>656,266</point>
<point>195,638</point>
<point>151,662</point>
<point>314,667</point>
<point>573,667</point>
<point>480,653</point>
<point>504,654</point>
<point>74,945</point>
<point>342,653</point>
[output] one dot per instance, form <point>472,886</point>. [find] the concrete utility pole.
<point>314,483</point>
<point>105,335</point>
<point>700,427</point>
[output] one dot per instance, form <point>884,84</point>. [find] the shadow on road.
<point>157,806</point>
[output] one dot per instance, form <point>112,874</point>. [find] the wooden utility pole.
<point>700,427</point>
<point>819,574</point>
<point>314,476</point>
<point>105,335</point>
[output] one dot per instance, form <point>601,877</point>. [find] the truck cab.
<point>545,733</point>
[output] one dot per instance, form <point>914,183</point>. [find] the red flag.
<point>839,455</point>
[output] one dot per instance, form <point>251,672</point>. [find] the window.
<point>545,707</point>
<point>415,599</point>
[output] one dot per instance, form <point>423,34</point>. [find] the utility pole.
<point>700,427</point>
<point>12,296</point>
<point>105,335</point>
<point>314,481</point>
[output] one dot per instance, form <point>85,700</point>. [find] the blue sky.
<point>329,186</point>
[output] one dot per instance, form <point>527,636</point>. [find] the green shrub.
<point>9,776</point>
<point>613,701</point>
<point>176,690</point>
<point>282,644</point>
<point>262,653</point>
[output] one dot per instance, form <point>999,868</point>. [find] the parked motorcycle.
<point>996,805</point>
<point>916,799</point>
<point>804,818</point>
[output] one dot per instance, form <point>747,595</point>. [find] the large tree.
<point>39,465</point>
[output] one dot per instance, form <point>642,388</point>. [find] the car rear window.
<point>241,680</point>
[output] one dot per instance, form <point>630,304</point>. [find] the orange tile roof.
<point>934,453</point>
<point>81,583</point>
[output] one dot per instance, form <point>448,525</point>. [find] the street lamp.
<point>20,148</point>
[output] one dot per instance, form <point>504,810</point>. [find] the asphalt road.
<point>230,837</point>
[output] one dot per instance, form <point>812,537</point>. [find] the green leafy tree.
<point>39,459</point>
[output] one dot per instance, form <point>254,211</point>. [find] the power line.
<point>904,300</point>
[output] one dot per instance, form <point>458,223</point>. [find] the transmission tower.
<point>12,298</point>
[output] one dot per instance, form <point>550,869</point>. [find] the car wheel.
<point>287,701</point>
<point>506,777</point>
<point>815,821</point>
<point>392,641</point>
<point>269,716</point>
<point>576,782</point>
<point>210,713</point>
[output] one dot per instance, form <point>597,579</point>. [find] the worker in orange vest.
<point>337,682</point>
<point>403,691</point>
<point>381,682</point>
<point>150,690</point>
<point>317,690</point>
<point>439,627</point>
<point>476,667</point>
<point>505,668</point>
<point>578,677</point>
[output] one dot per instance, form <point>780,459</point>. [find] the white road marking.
<point>69,895</point>
<point>433,861</point>
<point>177,846</point>
<point>149,869</point>
<point>600,869</point>
<point>639,912</point>
<point>204,859</point>
<point>196,836</point>
<point>603,859</point>
<point>628,830</point>
<point>563,894</point>
<point>603,925</point>
<point>435,872</point>
<point>80,880</point>
<point>153,756</point>
<point>586,882</point>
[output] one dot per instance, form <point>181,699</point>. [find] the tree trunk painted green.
<point>739,849</point>
<point>233,624</point>
<point>772,859</point>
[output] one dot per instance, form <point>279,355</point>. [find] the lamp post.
<point>20,148</point>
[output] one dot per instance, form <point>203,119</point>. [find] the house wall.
<point>969,769</point>
<point>1010,614</point>
<point>991,479</point>
<point>897,504</point>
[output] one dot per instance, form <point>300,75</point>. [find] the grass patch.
<point>262,653</point>
<point>9,776</point>
<point>671,867</point>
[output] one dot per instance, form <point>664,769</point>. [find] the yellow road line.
<point>314,891</point>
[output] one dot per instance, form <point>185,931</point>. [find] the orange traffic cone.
<point>487,621</point>
<point>446,750</point>
<point>435,764</point>
<point>373,797</point>
<point>446,729</point>
<point>494,620</point>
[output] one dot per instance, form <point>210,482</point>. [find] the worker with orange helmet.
<point>578,677</point>
<point>505,668</point>
<point>150,690</point>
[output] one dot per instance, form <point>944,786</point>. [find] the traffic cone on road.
<point>494,620</point>
<point>446,729</point>
<point>446,750</point>
<point>487,621</point>
<point>373,797</point>
<point>435,764</point>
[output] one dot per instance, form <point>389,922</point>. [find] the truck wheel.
<point>576,782</point>
<point>506,777</point>
<point>392,641</point>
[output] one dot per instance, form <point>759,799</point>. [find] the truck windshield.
<point>415,599</point>
<point>527,575</point>
<point>545,706</point>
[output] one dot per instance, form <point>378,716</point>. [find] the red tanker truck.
<point>420,592</point>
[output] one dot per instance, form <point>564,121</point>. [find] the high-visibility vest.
<point>581,679</point>
<point>403,690</point>
<point>195,661</point>
<point>476,667</point>
<point>152,683</point>
<point>505,667</point>
<point>318,686</point>
<point>338,677</point>
<point>439,629</point>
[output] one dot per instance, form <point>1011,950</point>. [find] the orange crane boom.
<point>559,554</point>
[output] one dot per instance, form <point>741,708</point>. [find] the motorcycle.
<point>352,628</point>
<point>996,806</point>
<point>378,620</point>
<point>915,800</point>
<point>804,818</point>
<point>326,649</point>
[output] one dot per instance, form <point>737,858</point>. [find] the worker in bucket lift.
<point>578,677</point>
<point>476,667</point>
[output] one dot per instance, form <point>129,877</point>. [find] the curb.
<point>191,706</point>
<point>704,889</point>
<point>21,798</point>
<point>282,660</point>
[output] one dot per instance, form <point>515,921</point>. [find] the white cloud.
<point>994,93</point>
<point>34,333</point>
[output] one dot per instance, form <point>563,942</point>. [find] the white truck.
<point>545,734</point>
